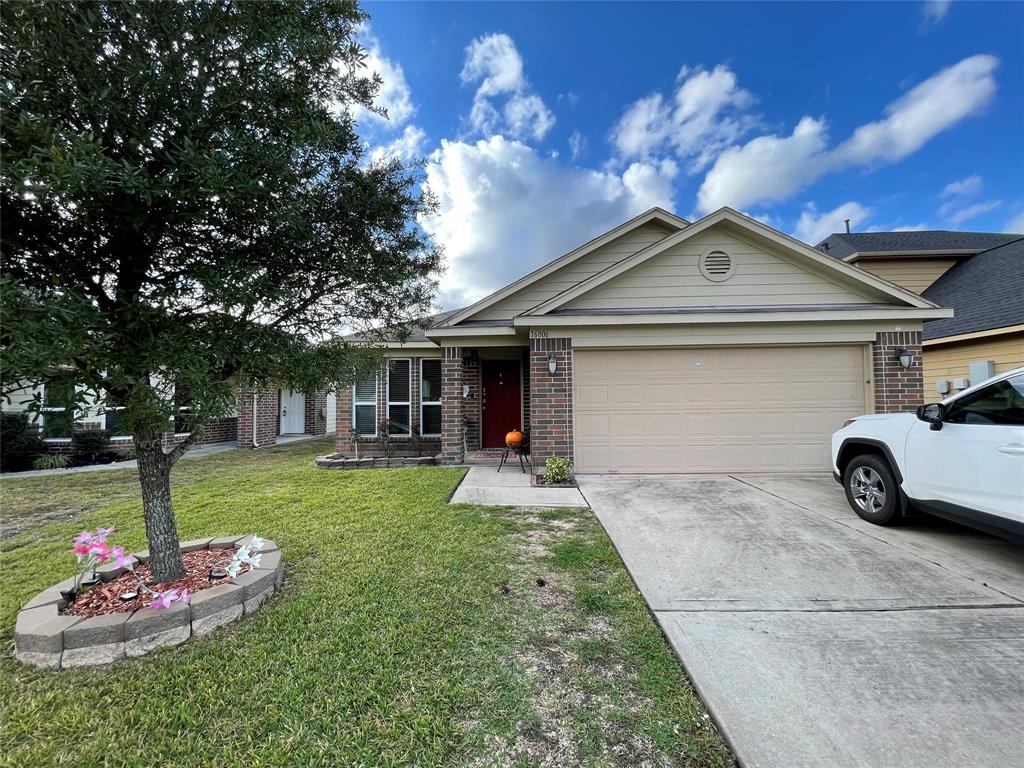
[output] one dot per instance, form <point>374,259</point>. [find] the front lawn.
<point>409,632</point>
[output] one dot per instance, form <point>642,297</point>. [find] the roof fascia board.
<point>538,274</point>
<point>857,275</point>
<point>685,318</point>
<point>951,252</point>
<point>396,344</point>
<point>481,330</point>
<point>974,335</point>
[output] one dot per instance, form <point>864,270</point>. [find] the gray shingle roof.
<point>986,291</point>
<point>417,332</point>
<point>842,245</point>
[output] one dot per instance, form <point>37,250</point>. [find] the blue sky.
<point>544,124</point>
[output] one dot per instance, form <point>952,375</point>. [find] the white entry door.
<point>293,412</point>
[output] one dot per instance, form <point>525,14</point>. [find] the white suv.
<point>962,459</point>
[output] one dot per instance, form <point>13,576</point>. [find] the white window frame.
<point>45,409</point>
<point>430,402</point>
<point>389,402</point>
<point>376,407</point>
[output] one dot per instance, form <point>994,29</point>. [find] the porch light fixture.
<point>552,364</point>
<point>904,358</point>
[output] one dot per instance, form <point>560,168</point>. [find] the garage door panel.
<point>707,410</point>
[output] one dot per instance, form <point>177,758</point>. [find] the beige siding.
<point>913,274</point>
<point>673,279</point>
<point>571,274</point>
<point>953,361</point>
<point>724,409</point>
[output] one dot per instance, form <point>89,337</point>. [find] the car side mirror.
<point>932,413</point>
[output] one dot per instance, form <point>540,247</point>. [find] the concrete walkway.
<point>205,450</point>
<point>485,486</point>
<point>818,639</point>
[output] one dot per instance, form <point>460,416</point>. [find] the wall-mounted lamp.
<point>904,357</point>
<point>552,364</point>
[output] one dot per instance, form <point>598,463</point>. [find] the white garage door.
<point>713,410</point>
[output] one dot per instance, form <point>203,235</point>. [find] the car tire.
<point>872,490</point>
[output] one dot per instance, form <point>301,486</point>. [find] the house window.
<point>364,407</point>
<point>182,408</point>
<point>430,397</point>
<point>399,395</point>
<point>112,416</point>
<point>58,415</point>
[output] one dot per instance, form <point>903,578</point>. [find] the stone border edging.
<point>46,639</point>
<point>379,462</point>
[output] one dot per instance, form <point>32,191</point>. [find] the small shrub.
<point>20,442</point>
<point>51,461</point>
<point>557,470</point>
<point>90,444</point>
<point>128,455</point>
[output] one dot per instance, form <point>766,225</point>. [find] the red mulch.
<point>104,598</point>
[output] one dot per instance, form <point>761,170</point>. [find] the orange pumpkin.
<point>514,438</point>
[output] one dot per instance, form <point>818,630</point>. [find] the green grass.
<point>392,642</point>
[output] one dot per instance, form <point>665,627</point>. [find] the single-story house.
<point>662,345</point>
<point>275,413</point>
<point>980,275</point>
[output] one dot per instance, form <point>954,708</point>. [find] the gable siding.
<point>571,274</point>
<point>913,274</point>
<point>673,279</point>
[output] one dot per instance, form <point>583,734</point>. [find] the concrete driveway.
<point>817,639</point>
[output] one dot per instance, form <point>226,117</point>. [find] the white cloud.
<point>408,146</point>
<point>703,116</point>
<point>968,186</point>
<point>505,209</point>
<point>394,95</point>
<point>813,227</point>
<point>1015,225</point>
<point>958,196</point>
<point>935,11</point>
<point>494,62</point>
<point>577,144</point>
<point>772,168</point>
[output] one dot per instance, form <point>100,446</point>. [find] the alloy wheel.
<point>868,490</point>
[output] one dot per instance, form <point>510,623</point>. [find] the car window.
<point>998,403</point>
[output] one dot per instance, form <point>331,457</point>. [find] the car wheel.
<point>871,490</point>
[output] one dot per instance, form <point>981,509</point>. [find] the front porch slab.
<point>485,486</point>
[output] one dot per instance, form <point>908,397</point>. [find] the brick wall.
<point>452,406</point>
<point>525,368</point>
<point>343,421</point>
<point>550,400</point>
<point>897,388</point>
<point>266,426</point>
<point>316,413</point>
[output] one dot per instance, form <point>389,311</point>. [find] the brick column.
<point>266,418</point>
<point>897,388</point>
<point>343,421</point>
<point>315,415</point>
<point>452,406</point>
<point>550,401</point>
<point>471,378</point>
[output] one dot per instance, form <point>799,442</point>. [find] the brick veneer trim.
<point>896,388</point>
<point>551,427</point>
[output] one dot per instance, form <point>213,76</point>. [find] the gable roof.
<point>791,245</point>
<point>986,292</point>
<point>417,333</point>
<point>652,214</point>
<point>843,245</point>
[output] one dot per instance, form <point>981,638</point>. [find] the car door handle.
<point>1013,449</point>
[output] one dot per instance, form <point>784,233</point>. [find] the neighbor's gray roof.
<point>417,332</point>
<point>986,291</point>
<point>842,245</point>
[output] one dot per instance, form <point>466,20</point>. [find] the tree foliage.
<point>186,202</point>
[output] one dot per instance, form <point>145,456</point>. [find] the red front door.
<point>501,401</point>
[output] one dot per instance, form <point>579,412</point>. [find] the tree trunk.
<point>161,530</point>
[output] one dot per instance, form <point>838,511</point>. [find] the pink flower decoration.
<point>120,558</point>
<point>103,533</point>
<point>101,550</point>
<point>83,538</point>
<point>164,599</point>
<point>81,549</point>
<point>186,598</point>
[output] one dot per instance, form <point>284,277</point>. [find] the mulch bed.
<point>105,597</point>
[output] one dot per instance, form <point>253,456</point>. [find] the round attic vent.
<point>716,266</point>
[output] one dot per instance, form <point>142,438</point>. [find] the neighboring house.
<point>659,346</point>
<point>277,413</point>
<point>979,274</point>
